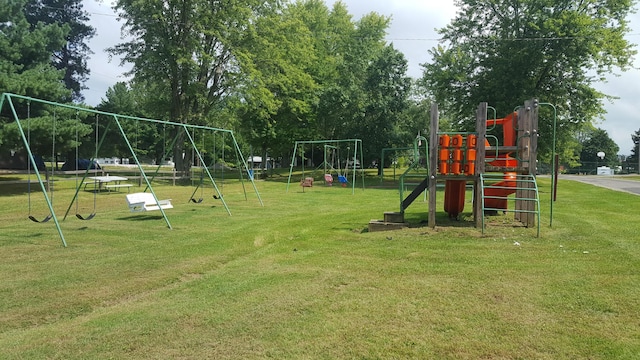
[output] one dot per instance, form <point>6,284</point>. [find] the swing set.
<point>183,131</point>
<point>218,191</point>
<point>332,166</point>
<point>331,162</point>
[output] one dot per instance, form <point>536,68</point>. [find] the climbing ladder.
<point>527,201</point>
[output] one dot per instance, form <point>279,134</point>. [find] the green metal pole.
<point>164,156</point>
<point>244,164</point>
<point>86,172</point>
<point>206,168</point>
<point>293,158</point>
<point>35,166</point>
<point>142,173</point>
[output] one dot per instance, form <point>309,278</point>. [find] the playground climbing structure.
<point>497,160</point>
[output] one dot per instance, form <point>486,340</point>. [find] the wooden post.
<point>481,129</point>
<point>522,155</point>
<point>527,144</point>
<point>533,150</point>
<point>433,164</point>
<point>533,160</point>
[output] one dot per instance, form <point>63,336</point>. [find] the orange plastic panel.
<point>457,155</point>
<point>472,141</point>
<point>444,140</point>
<point>471,155</point>
<point>456,168</point>
<point>470,168</point>
<point>444,168</point>
<point>454,191</point>
<point>444,155</point>
<point>456,140</point>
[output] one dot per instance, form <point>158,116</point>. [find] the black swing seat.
<point>197,201</point>
<point>47,218</point>
<point>91,216</point>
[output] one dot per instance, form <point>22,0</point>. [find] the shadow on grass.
<point>11,189</point>
<point>140,217</point>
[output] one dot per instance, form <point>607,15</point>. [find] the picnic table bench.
<point>118,186</point>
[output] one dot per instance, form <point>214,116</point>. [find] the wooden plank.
<point>433,164</point>
<point>481,129</point>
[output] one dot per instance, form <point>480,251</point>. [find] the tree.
<point>386,87</point>
<point>507,52</point>
<point>278,93</point>
<point>185,50</point>
<point>364,88</point>
<point>356,48</point>
<point>144,137</point>
<point>635,152</point>
<point>328,33</point>
<point>70,57</point>
<point>597,141</point>
<point>25,53</point>
<point>26,70</point>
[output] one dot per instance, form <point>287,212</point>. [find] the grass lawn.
<point>301,278</point>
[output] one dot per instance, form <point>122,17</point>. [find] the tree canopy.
<point>280,71</point>
<point>598,141</point>
<point>25,60</point>
<point>506,52</point>
<point>275,71</point>
<point>71,56</point>
<point>25,54</point>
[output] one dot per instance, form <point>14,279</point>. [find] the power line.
<point>553,38</point>
<point>88,12</point>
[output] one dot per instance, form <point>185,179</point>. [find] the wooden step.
<point>393,217</point>
<point>380,225</point>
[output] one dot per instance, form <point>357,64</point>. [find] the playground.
<point>293,271</point>
<point>302,278</point>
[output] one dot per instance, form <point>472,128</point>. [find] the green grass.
<point>300,278</point>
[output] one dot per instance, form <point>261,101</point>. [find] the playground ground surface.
<point>301,278</point>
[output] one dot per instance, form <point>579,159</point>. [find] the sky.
<point>412,31</point>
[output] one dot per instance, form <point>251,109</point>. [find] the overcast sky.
<point>412,31</point>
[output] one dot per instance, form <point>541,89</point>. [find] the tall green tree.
<point>363,84</point>
<point>70,57</point>
<point>184,48</point>
<point>597,141</point>
<point>358,45</point>
<point>25,54</point>
<point>635,151</point>
<point>278,93</point>
<point>386,87</point>
<point>146,138</point>
<point>507,52</point>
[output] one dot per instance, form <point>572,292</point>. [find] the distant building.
<point>604,170</point>
<point>255,162</point>
<point>113,161</point>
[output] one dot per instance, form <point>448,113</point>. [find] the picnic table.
<point>108,182</point>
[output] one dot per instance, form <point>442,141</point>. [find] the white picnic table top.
<point>106,179</point>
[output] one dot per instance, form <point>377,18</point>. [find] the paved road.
<point>609,182</point>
